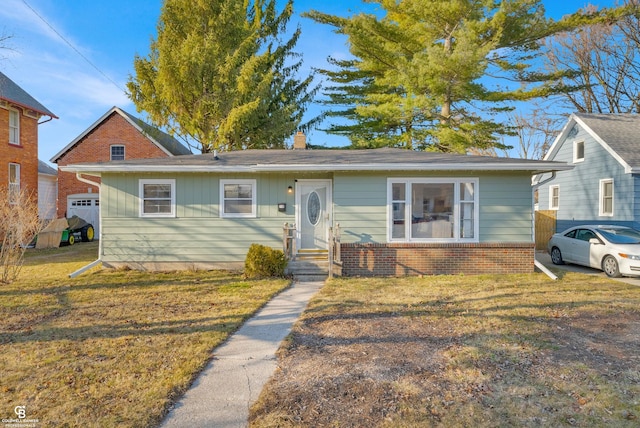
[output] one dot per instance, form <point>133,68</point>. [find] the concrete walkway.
<point>222,394</point>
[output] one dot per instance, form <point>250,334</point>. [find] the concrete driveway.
<point>544,258</point>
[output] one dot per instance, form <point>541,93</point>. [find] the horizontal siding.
<point>186,240</point>
<point>197,234</point>
<point>580,188</point>
<point>360,207</point>
<point>506,208</point>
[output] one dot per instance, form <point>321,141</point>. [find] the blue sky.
<point>50,61</point>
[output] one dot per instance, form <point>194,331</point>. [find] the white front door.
<point>313,213</point>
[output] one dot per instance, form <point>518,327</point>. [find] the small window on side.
<point>606,197</point>
<point>14,127</point>
<point>117,152</point>
<point>14,183</point>
<point>238,198</point>
<point>157,198</point>
<point>578,151</point>
<point>554,197</point>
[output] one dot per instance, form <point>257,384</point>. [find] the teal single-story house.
<point>399,212</point>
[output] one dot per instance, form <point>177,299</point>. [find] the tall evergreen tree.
<point>428,68</point>
<point>218,74</point>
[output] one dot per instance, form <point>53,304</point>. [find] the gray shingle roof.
<point>322,160</point>
<point>13,93</point>
<point>164,139</point>
<point>43,168</point>
<point>621,132</point>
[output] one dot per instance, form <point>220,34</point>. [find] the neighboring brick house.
<point>117,135</point>
<point>19,116</point>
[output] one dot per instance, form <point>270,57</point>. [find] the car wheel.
<point>556,256</point>
<point>610,267</point>
<point>87,233</point>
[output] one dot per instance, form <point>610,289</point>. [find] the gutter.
<point>94,263</point>
<point>96,170</point>
<point>544,269</point>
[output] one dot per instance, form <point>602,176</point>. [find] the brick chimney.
<point>299,141</point>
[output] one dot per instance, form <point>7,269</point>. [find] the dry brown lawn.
<point>111,348</point>
<point>461,351</point>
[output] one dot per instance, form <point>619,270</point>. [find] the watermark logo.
<point>21,411</point>
<point>21,421</point>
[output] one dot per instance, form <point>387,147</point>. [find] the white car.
<point>612,249</point>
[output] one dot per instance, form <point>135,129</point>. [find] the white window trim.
<point>601,212</point>
<point>456,181</point>
<point>576,159</point>
<point>551,206</point>
<point>17,112</point>
<point>171,182</point>
<point>124,151</point>
<point>14,188</point>
<point>254,191</point>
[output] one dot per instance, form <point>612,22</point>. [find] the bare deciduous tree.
<point>19,223</point>
<point>605,61</point>
<point>536,131</point>
<point>4,43</point>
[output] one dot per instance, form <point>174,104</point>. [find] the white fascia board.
<point>414,167</point>
<point>97,169</point>
<point>551,153</point>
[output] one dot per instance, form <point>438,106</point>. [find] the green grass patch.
<point>112,347</point>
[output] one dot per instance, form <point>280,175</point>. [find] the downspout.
<point>537,263</point>
<point>83,269</point>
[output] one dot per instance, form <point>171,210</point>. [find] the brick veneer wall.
<point>26,154</point>
<point>434,259</point>
<point>96,147</point>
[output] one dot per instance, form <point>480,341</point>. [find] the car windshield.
<point>621,236</point>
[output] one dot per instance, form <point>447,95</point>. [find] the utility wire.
<point>73,47</point>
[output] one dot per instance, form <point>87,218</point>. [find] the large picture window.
<point>238,198</point>
<point>433,209</point>
<point>157,198</point>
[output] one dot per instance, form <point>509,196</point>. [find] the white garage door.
<point>87,207</point>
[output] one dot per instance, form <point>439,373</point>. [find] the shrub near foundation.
<point>264,262</point>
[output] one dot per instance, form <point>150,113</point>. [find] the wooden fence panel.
<point>545,227</point>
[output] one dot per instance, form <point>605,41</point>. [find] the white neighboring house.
<point>47,191</point>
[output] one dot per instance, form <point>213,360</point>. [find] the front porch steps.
<point>310,265</point>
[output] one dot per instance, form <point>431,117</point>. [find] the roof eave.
<point>28,107</point>
<point>534,169</point>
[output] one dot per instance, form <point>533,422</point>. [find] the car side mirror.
<point>595,241</point>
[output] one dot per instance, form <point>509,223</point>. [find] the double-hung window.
<point>158,198</point>
<point>578,151</point>
<point>14,183</point>
<point>238,198</point>
<point>606,197</point>
<point>554,197</point>
<point>117,152</point>
<point>14,127</point>
<point>433,209</point>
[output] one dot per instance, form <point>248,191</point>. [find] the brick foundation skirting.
<point>435,259</point>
